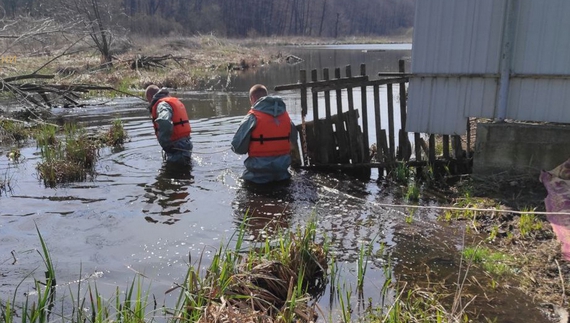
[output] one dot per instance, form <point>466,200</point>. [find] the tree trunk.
<point>322,17</point>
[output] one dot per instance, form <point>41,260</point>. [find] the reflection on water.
<point>169,193</point>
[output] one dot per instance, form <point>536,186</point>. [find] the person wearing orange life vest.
<point>265,134</point>
<point>171,125</point>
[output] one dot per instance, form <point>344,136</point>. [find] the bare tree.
<point>98,19</point>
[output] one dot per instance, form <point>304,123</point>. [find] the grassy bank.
<point>179,62</point>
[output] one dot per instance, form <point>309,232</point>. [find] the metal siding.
<point>453,37</point>
<point>541,47</point>
<point>543,100</point>
<point>464,37</point>
<point>542,40</point>
<point>440,105</point>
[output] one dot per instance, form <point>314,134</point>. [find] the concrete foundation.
<point>516,148</point>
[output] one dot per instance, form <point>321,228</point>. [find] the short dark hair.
<point>257,91</point>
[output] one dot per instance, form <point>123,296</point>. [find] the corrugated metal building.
<point>504,59</point>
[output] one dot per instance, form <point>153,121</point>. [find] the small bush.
<point>116,136</point>
<point>66,159</point>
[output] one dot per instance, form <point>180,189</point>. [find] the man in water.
<point>171,125</point>
<point>265,134</point>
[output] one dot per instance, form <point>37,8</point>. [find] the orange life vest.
<point>180,119</point>
<point>270,137</point>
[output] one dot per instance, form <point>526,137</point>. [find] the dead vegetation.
<point>518,228</point>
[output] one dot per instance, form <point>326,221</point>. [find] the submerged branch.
<point>30,91</point>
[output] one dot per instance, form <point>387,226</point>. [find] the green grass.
<point>412,192</point>
<point>492,262</point>
<point>529,223</point>
<point>401,174</point>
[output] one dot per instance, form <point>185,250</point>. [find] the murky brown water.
<point>136,215</point>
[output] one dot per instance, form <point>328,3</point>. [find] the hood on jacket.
<point>272,105</point>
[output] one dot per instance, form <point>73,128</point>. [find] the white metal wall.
<point>456,59</point>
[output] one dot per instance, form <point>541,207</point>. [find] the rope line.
<point>444,208</point>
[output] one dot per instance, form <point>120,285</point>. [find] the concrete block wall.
<point>518,148</point>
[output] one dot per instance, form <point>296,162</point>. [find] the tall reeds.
<point>277,280</point>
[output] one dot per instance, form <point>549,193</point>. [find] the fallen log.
<point>148,62</point>
<point>48,95</point>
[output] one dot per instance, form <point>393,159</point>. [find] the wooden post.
<point>327,96</point>
<point>417,144</point>
<point>445,139</point>
<point>344,156</point>
<point>405,146</point>
<point>349,89</point>
<point>431,149</point>
<point>378,126</point>
<point>457,147</point>
<point>338,94</point>
<point>315,97</point>
<point>391,121</point>
<point>364,108</point>
<point>468,148</point>
<point>322,142</point>
<point>333,154</point>
<point>303,80</point>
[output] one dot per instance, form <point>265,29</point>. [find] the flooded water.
<point>137,215</point>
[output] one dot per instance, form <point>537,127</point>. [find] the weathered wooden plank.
<point>327,95</point>
<point>384,145</point>
<point>394,74</point>
<point>320,152</point>
<point>395,80</point>
<point>341,83</point>
<point>431,151</point>
<point>391,130</point>
<point>303,79</point>
<point>326,144</point>
<point>378,124</point>
<point>348,72</point>
<point>424,146</point>
<point>417,145</point>
<point>405,149</point>
<point>338,83</point>
<point>355,145</point>
<point>445,140</point>
<point>468,148</point>
<point>457,147</point>
<point>364,108</point>
<point>308,142</point>
<point>340,127</point>
<point>332,150</point>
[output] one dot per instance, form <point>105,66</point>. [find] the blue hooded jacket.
<point>263,169</point>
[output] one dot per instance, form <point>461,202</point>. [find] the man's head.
<point>256,92</point>
<point>150,91</point>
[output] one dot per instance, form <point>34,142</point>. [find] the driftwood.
<point>48,95</point>
<point>147,62</point>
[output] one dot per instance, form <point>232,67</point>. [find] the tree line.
<point>230,18</point>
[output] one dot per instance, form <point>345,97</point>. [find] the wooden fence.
<point>339,141</point>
